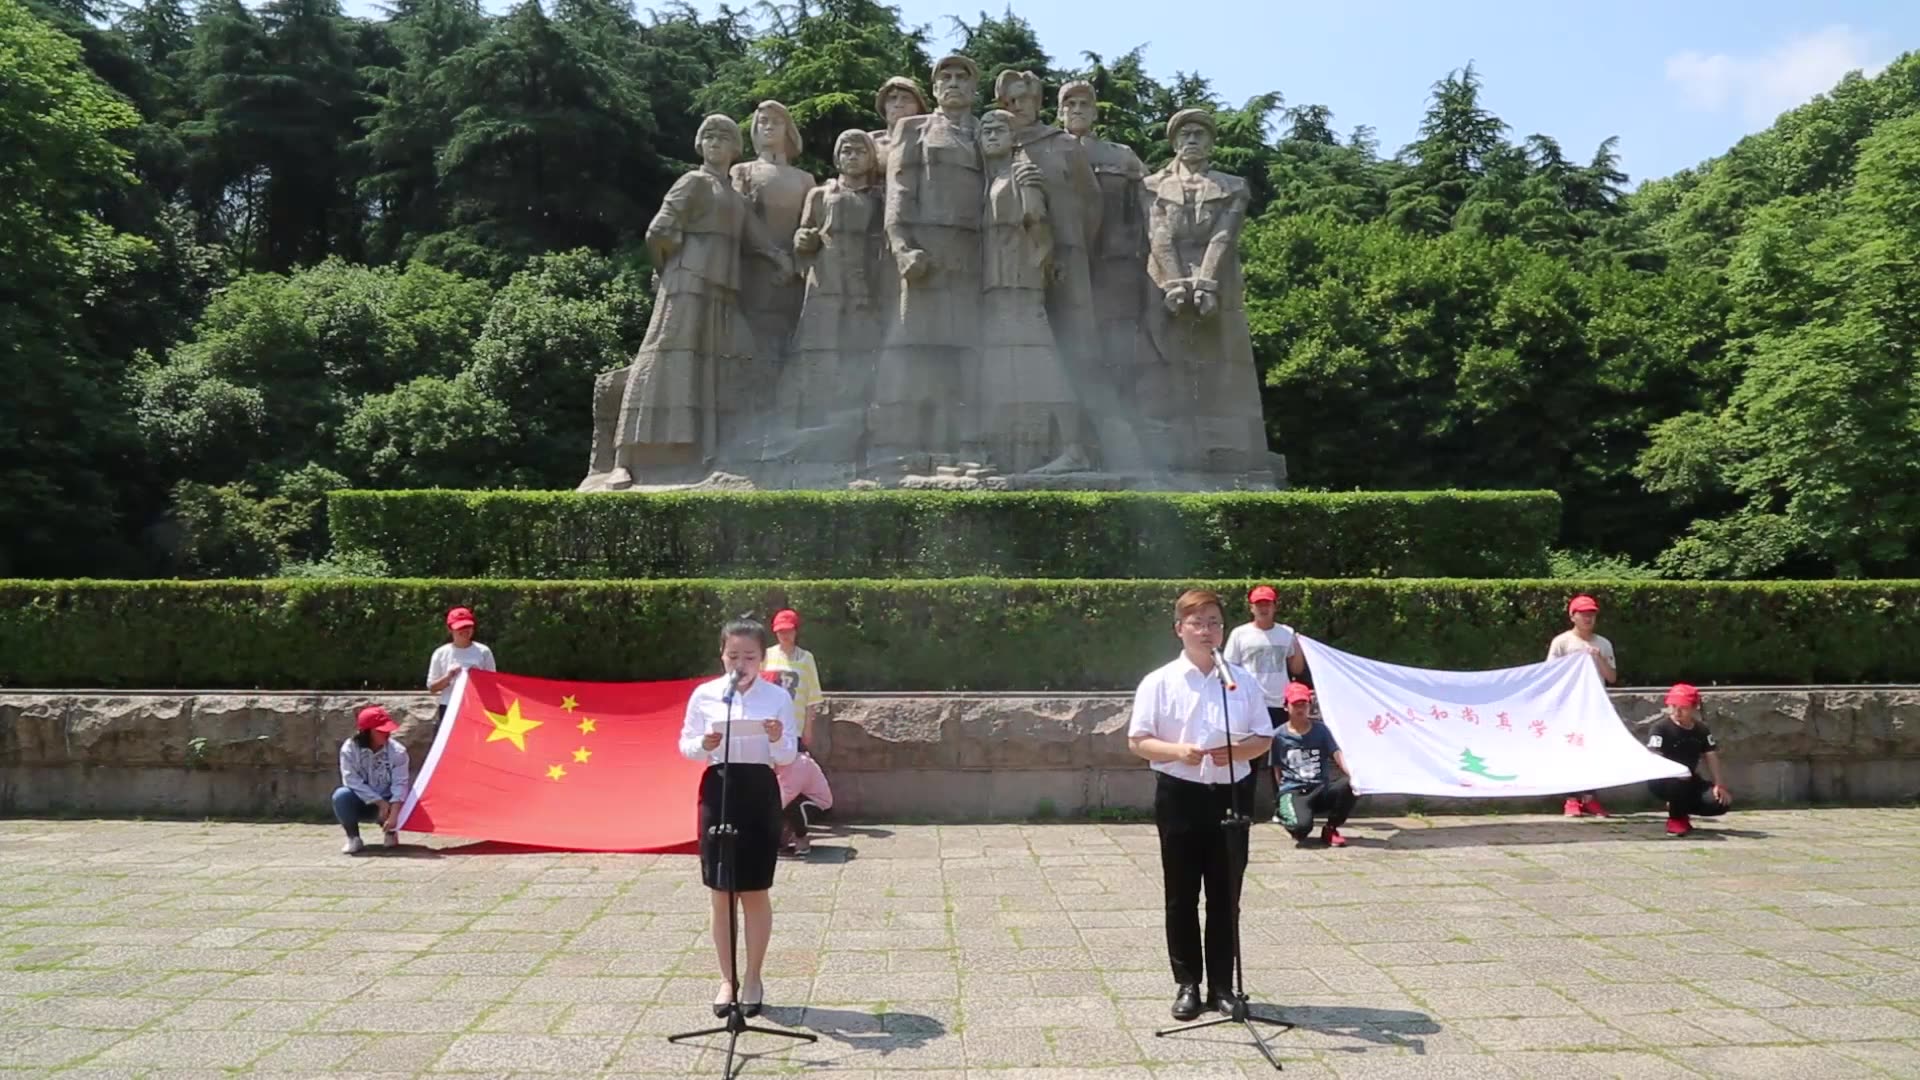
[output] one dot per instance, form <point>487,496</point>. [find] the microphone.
<point>1226,673</point>
<point>734,679</point>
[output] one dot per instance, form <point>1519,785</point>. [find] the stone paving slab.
<point>1778,944</point>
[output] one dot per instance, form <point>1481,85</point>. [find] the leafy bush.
<point>964,634</point>
<point>939,534</point>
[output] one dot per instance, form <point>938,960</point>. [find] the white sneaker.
<point>352,846</point>
<point>393,839</point>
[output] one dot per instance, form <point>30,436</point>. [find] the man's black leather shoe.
<point>1186,1003</point>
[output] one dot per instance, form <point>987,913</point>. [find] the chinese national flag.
<point>578,765</point>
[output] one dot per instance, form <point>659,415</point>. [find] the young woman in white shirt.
<point>763,735</point>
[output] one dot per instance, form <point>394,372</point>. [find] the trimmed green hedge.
<point>911,534</point>
<point>966,634</point>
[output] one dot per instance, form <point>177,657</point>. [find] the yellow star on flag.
<point>586,726</point>
<point>567,704</point>
<point>555,772</point>
<point>581,755</point>
<point>511,726</point>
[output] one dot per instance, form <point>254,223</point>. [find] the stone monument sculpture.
<point>775,188</point>
<point>697,360</point>
<point>827,380</point>
<point>923,379</point>
<point>1203,399</point>
<point>1028,404</point>
<point>1118,262</point>
<point>988,302</point>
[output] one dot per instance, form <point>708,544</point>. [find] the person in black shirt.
<point>1302,751</point>
<point>1681,737</point>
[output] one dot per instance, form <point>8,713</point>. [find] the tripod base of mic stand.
<point>1238,1012</point>
<point>735,1027</point>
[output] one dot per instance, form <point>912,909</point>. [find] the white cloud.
<point>1764,86</point>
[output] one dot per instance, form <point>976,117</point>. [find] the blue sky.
<point>1679,80</point>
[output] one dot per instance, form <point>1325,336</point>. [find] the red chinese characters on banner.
<point>1413,715</point>
<point>1539,728</point>
<point>1378,725</point>
<point>1506,722</point>
<point>1469,715</point>
<point>1438,713</point>
<point>1574,738</point>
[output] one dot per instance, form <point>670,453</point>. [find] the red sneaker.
<point>1332,838</point>
<point>1573,808</point>
<point>1679,826</point>
<point>1593,808</point>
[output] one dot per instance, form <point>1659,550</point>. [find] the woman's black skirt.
<point>753,804</point>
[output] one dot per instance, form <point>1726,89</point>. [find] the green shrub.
<point>908,534</point>
<point>962,634</point>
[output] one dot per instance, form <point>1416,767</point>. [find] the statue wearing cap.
<point>934,205</point>
<point>1207,396</point>
<point>897,99</point>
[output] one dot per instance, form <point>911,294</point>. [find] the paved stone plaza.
<point>1786,944</point>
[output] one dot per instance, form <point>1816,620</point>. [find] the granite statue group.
<point>973,301</point>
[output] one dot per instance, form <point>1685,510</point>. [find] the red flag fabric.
<point>581,766</point>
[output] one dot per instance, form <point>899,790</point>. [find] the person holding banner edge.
<point>1302,749</point>
<point>761,718</point>
<point>1179,724</point>
<point>1584,611</point>
<point>1680,737</point>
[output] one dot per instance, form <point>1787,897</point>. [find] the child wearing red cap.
<point>455,656</point>
<point>1681,737</point>
<point>797,672</point>
<point>373,779</point>
<point>1302,750</point>
<point>1584,611</point>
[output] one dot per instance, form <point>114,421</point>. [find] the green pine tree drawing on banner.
<point>1473,763</point>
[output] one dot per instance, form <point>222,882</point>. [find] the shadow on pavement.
<point>1379,1027</point>
<point>1651,828</point>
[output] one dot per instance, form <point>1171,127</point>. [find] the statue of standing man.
<point>935,196</point>
<point>1121,288</point>
<point>1208,399</point>
<point>1073,199</point>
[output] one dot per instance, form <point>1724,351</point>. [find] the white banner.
<point>1542,729</point>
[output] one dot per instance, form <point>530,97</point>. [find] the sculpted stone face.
<point>769,134</point>
<point>900,104</point>
<point>955,88</point>
<point>1077,113</point>
<point>853,158</point>
<point>1023,101</point>
<point>718,148</point>
<point>1193,145</point>
<point>996,138</point>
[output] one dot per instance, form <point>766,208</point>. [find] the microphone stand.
<point>1237,1009</point>
<point>723,831</point>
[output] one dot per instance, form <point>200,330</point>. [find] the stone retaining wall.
<point>895,757</point>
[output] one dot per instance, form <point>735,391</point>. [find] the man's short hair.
<point>1193,600</point>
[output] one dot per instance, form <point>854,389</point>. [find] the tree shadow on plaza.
<point>1371,1027</point>
<point>1650,828</point>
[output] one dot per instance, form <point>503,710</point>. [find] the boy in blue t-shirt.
<point>1302,750</point>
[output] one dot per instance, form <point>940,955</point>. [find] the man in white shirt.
<point>1584,612</point>
<point>1183,715</point>
<point>1267,648</point>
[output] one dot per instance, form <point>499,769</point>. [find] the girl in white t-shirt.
<point>456,656</point>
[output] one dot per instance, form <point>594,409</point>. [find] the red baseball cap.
<point>1298,691</point>
<point>786,619</point>
<point>1263,592</point>
<point>459,617</point>
<point>375,718</point>
<point>1583,602</point>
<point>1683,694</point>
